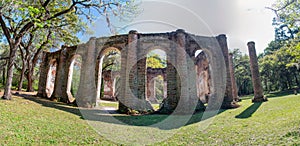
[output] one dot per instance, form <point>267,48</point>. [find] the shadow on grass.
<point>249,111</point>
<point>272,94</point>
<point>280,94</point>
<point>164,122</point>
<point>51,104</point>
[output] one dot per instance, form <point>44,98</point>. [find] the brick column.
<point>257,87</point>
<point>170,102</point>
<point>44,69</point>
<point>182,67</point>
<point>228,98</point>
<point>86,95</point>
<point>151,93</point>
<point>60,77</point>
<point>181,92</point>
<point>233,82</point>
<point>133,77</point>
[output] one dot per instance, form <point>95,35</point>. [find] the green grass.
<point>30,120</point>
<point>116,104</point>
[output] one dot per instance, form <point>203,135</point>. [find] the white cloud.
<point>240,20</point>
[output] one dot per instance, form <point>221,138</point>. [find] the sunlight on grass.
<point>35,121</point>
<point>109,104</point>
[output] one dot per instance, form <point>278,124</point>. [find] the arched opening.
<point>202,76</point>
<point>156,87</point>
<point>108,81</point>
<point>51,77</point>
<point>74,77</point>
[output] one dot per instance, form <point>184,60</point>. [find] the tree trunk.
<point>22,76</point>
<point>30,81</point>
<point>30,66</point>
<point>297,81</point>
<point>10,71</point>
<point>3,73</point>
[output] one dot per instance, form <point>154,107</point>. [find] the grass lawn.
<point>28,120</point>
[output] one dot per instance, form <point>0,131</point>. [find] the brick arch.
<point>51,77</point>
<point>178,45</point>
<point>99,66</point>
<point>203,76</point>
<point>103,51</point>
<point>152,73</point>
<point>72,59</point>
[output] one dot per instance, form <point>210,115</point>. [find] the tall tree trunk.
<point>30,66</point>
<point>10,71</point>
<point>3,73</point>
<point>22,76</point>
<point>30,81</point>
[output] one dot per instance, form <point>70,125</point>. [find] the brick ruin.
<point>256,81</point>
<point>189,80</point>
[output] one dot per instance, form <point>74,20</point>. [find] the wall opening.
<point>109,74</point>
<point>202,76</point>
<point>74,77</point>
<point>156,86</point>
<point>51,77</point>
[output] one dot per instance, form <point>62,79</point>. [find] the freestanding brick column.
<point>228,101</point>
<point>233,82</point>
<point>258,90</point>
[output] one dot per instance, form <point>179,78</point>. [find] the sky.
<point>241,20</point>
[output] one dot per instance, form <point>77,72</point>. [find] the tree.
<point>242,72</point>
<point>18,17</point>
<point>272,47</point>
<point>156,61</point>
<point>32,45</point>
<point>3,60</point>
<point>276,72</point>
<point>112,61</point>
<point>287,20</point>
<point>282,56</point>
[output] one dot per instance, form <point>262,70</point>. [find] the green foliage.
<point>4,51</point>
<point>155,60</point>
<point>276,72</point>
<point>242,72</point>
<point>76,75</point>
<point>159,87</point>
<point>112,61</point>
<point>286,22</point>
<point>273,46</point>
<point>280,59</point>
<point>33,26</point>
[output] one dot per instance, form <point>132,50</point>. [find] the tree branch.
<point>281,8</point>
<point>4,58</point>
<point>5,29</point>
<point>36,55</point>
